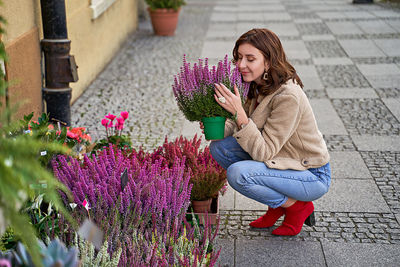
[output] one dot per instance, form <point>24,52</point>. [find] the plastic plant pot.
<point>214,127</point>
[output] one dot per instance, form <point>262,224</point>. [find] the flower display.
<point>146,217</point>
<point>194,88</point>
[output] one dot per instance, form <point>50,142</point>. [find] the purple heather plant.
<point>154,200</point>
<point>194,88</point>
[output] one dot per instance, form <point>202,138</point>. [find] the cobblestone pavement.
<point>348,57</point>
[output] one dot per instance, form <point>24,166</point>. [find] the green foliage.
<point>89,257</point>
<point>203,105</point>
<point>174,4</point>
<point>8,240</point>
<point>120,141</point>
<point>21,172</point>
<point>43,216</point>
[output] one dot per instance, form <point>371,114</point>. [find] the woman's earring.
<point>265,76</point>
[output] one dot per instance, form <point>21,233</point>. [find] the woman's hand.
<point>231,102</point>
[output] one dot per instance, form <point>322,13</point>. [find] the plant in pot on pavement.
<point>194,90</point>
<point>164,15</point>
<point>114,126</point>
<point>207,178</point>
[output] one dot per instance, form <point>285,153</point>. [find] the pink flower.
<point>120,123</point>
<point>110,116</point>
<point>110,124</point>
<point>104,122</point>
<point>124,114</point>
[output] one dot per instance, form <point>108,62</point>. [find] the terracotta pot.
<point>164,21</point>
<point>201,206</point>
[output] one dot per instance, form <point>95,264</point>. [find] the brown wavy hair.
<point>280,70</point>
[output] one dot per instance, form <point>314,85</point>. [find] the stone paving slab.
<point>245,203</point>
<point>389,46</point>
<point>348,165</point>
<point>341,197</point>
<point>332,61</point>
<point>295,49</point>
<point>278,253</point>
<point>338,254</point>
<point>375,26</point>
<point>284,29</point>
<point>227,255</point>
<point>344,27</point>
<point>327,119</point>
<point>394,106</point>
<point>361,48</point>
<point>309,77</point>
<point>227,201</point>
<point>376,143</point>
<point>214,49</point>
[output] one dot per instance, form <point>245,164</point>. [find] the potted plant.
<point>114,126</point>
<point>164,15</point>
<point>207,178</point>
<point>194,90</point>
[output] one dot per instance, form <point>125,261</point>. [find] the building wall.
<point>94,42</point>
<point>22,46</point>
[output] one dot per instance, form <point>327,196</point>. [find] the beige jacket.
<point>282,131</point>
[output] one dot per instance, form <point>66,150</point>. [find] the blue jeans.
<point>269,186</point>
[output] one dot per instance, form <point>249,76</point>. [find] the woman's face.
<point>251,63</point>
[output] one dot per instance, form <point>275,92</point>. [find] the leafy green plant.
<point>174,4</point>
<point>19,170</point>
<point>43,215</point>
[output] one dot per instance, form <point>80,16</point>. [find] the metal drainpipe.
<point>60,67</point>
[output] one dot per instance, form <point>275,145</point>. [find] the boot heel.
<point>310,221</point>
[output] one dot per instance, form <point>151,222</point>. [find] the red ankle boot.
<point>269,218</point>
<point>296,215</point>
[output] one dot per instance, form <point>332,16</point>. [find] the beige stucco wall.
<point>94,42</point>
<point>20,16</point>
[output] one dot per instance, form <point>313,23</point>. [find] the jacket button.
<point>273,162</point>
<point>305,162</point>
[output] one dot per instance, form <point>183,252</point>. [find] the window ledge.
<point>99,6</point>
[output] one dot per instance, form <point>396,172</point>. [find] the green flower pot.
<point>214,127</point>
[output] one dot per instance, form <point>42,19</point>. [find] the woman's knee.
<point>235,175</point>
